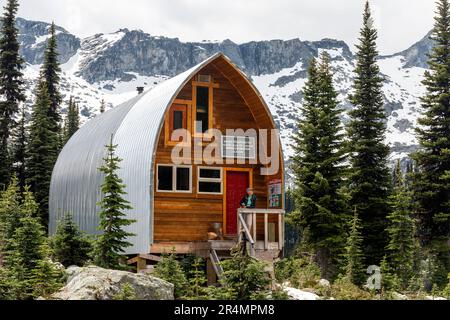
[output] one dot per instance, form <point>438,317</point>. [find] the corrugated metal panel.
<point>136,125</point>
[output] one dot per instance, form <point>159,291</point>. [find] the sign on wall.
<point>238,147</point>
<point>275,193</point>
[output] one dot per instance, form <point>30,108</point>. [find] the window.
<point>210,180</point>
<point>202,114</point>
<point>202,102</point>
<point>178,118</point>
<point>174,178</point>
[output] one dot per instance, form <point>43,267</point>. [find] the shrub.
<point>299,272</point>
<point>169,269</point>
<point>126,293</point>
<point>446,291</point>
<point>246,276</point>
<point>344,289</point>
<point>70,246</point>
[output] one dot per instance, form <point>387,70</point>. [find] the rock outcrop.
<point>94,283</point>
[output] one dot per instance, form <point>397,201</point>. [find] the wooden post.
<point>210,273</point>
<point>141,264</point>
<point>239,228</point>
<point>254,227</point>
<point>280,232</point>
<point>266,231</point>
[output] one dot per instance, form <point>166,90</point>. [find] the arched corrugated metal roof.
<point>136,125</point>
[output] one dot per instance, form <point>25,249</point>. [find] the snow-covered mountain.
<point>111,66</point>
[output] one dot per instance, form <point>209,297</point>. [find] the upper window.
<point>178,118</point>
<point>210,180</point>
<point>174,178</point>
<point>203,92</point>
<point>202,110</point>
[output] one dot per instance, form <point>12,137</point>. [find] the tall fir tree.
<point>432,182</point>
<point>401,246</point>
<point>319,170</point>
<point>42,150</point>
<point>369,178</point>
<point>19,150</point>
<point>50,73</point>
<point>11,85</point>
<point>110,245</point>
<point>72,123</point>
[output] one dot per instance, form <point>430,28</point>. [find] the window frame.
<point>211,86</point>
<point>174,178</point>
<point>187,104</point>
<point>213,180</point>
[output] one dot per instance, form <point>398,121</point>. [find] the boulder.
<point>399,296</point>
<point>434,298</point>
<point>324,283</point>
<point>94,283</point>
<point>296,294</point>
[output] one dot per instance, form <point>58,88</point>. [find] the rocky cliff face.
<point>33,36</point>
<point>110,66</point>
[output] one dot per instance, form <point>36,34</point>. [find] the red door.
<point>237,184</point>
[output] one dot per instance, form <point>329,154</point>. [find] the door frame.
<point>225,171</point>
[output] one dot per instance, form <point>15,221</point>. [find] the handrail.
<point>243,213</point>
<point>216,263</point>
<point>247,231</point>
<point>261,211</point>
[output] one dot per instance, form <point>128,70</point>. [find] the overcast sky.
<point>400,22</point>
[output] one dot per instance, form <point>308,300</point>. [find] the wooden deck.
<point>216,250</point>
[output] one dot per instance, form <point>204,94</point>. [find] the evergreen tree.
<point>432,183</point>
<point>10,214</point>
<point>25,251</point>
<point>45,278</point>
<point>400,249</point>
<point>20,147</point>
<point>197,281</point>
<point>70,246</point>
<point>321,207</point>
<point>369,178</point>
<point>11,83</point>
<point>102,106</point>
<point>245,276</point>
<point>353,256</point>
<point>42,150</point>
<point>170,269</point>
<point>72,121</point>
<point>111,243</point>
<point>50,73</point>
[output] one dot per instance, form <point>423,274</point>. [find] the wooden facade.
<point>184,217</point>
<point>174,205</point>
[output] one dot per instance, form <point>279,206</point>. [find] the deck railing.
<point>247,224</point>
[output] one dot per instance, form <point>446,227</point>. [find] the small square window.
<point>210,173</point>
<point>210,187</point>
<point>210,180</point>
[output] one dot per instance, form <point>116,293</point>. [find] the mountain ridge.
<point>110,67</point>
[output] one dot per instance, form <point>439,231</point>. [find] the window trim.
<point>214,180</point>
<point>211,85</point>
<point>174,178</point>
<point>168,129</point>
